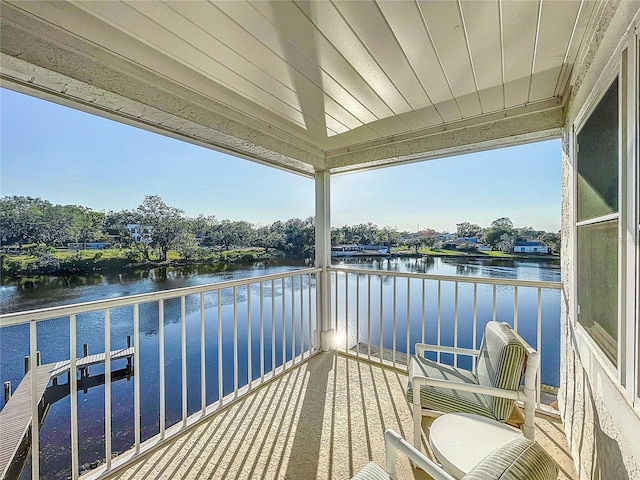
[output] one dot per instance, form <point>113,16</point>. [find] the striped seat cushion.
<point>517,459</point>
<point>371,471</point>
<point>501,365</point>
<point>446,400</point>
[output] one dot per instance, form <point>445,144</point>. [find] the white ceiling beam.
<point>517,126</point>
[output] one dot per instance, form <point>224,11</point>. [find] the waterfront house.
<point>140,233</point>
<point>322,88</point>
<point>531,247</point>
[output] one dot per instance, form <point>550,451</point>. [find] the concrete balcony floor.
<point>323,419</point>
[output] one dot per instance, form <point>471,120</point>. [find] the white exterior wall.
<point>530,249</point>
<point>596,400</point>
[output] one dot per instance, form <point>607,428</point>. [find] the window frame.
<point>625,65</point>
<point>635,68</point>
<point>611,73</point>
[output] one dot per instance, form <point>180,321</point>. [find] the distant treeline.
<point>34,221</point>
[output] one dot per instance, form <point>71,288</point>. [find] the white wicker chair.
<point>491,390</point>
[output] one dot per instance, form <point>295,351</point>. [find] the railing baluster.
<point>395,319</point>
<point>357,315</point>
<point>220,381</point>
<point>455,321</point>
<point>183,348</point>
<point>249,342</point>
<point>203,361</point>
<point>136,375</point>
<point>235,341</point>
<point>161,366</point>
<point>301,278</point>
<point>369,317</point>
<point>439,314</point>
<point>515,308</point>
<point>335,346</point>
<point>346,312</point>
<point>381,335</point>
<point>310,343</point>
<point>539,346</point>
<point>424,305</point>
<point>35,430</point>
<point>495,303</point>
<point>73,389</point>
<point>293,323</point>
<point>273,327</point>
<point>408,320</point>
<point>284,328</point>
<point>475,316</point>
<point>261,332</point>
<point>107,388</point>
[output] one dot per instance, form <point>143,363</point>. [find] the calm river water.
<point>53,340</point>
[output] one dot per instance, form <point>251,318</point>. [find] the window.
<point>598,219</point>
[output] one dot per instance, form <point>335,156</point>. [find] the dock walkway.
<point>15,417</point>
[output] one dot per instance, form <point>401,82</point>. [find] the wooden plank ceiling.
<point>327,76</point>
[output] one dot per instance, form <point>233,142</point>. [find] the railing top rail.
<point>17,318</point>
<point>452,278</point>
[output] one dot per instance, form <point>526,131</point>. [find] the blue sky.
<point>70,157</point>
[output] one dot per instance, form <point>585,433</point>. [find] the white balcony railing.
<point>381,315</point>
<point>212,344</point>
<point>267,322</point>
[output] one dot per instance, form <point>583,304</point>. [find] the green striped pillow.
<point>518,459</point>
<point>501,365</point>
<point>371,471</point>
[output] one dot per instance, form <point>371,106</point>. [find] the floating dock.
<point>15,417</point>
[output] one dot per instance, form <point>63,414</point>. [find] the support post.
<point>323,258</point>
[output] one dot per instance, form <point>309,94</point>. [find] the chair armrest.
<point>394,442</point>
<point>424,347</point>
<point>418,380</point>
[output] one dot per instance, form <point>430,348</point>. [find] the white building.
<point>531,247</point>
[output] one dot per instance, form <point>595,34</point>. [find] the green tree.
<point>387,236</point>
<point>299,235</point>
<point>228,233</point>
<point>85,224</point>
<point>416,243</point>
<point>270,237</point>
<point>506,242</point>
<point>550,239</point>
<point>22,220</point>
<point>493,234</point>
<point>167,224</point>
<point>467,230</point>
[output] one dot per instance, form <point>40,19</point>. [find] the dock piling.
<point>7,391</point>
<point>84,372</point>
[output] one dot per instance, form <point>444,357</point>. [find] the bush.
<point>12,266</point>
<point>47,263</point>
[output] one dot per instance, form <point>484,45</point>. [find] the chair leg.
<point>529,427</point>
<point>417,426</point>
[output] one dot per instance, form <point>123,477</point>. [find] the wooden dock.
<point>15,417</point>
